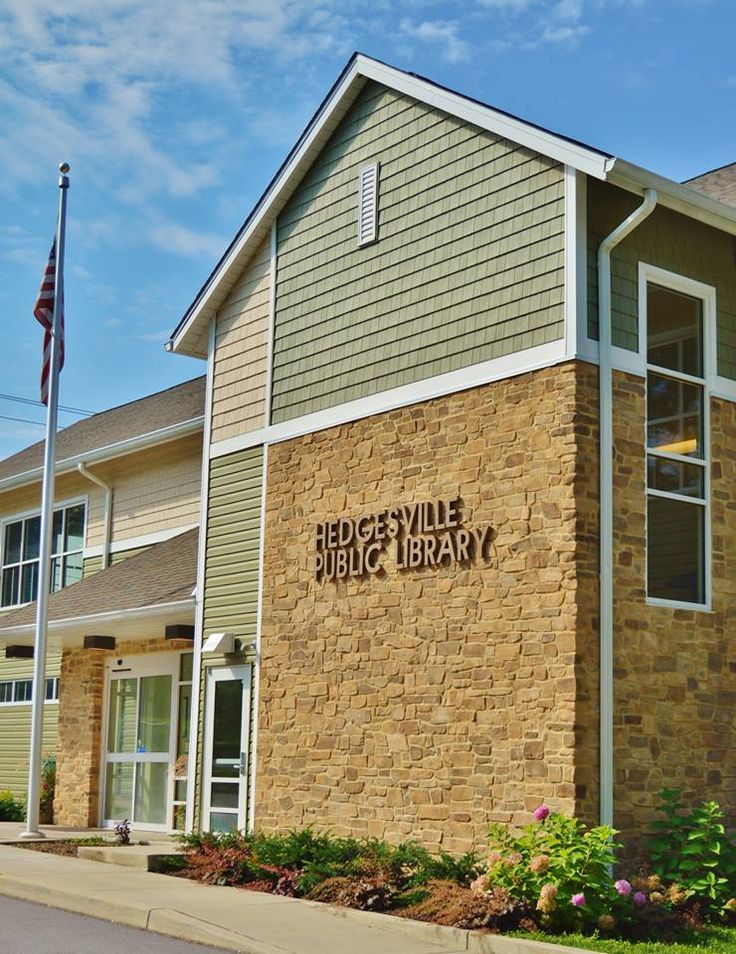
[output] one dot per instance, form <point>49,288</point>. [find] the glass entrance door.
<point>226,748</point>
<point>139,743</point>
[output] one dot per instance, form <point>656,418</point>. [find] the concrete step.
<point>146,857</point>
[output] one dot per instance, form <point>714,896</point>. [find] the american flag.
<point>44,313</point>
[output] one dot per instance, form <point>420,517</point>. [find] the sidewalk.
<point>249,922</point>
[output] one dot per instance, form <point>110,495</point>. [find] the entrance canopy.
<point>134,599</point>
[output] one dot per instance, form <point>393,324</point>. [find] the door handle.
<point>243,763</point>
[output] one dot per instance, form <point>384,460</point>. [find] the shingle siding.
<point>468,264</point>
<point>670,241</point>
<point>239,383</point>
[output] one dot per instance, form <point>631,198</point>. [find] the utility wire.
<point>21,420</point>
<point>62,407</point>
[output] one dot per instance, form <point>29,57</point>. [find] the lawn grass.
<point>712,940</point>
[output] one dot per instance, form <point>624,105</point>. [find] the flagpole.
<point>32,829</point>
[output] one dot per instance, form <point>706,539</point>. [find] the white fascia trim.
<point>194,715</point>
<point>364,68</point>
<point>572,278</point>
<point>114,616</point>
<point>109,451</point>
<point>485,117</point>
<point>673,195</point>
<point>256,681</point>
<point>144,540</point>
<point>508,366</point>
<point>260,220</point>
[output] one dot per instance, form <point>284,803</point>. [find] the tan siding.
<point>239,383</point>
<point>468,264</point>
<point>15,726</point>
<point>156,489</point>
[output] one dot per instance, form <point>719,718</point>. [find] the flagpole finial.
<point>64,168</point>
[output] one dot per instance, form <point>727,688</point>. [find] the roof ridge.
<point>709,172</point>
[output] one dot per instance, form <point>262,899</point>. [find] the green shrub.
<point>561,869</point>
<point>692,849</point>
<point>48,789</point>
<point>11,808</point>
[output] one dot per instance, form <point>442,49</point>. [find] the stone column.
<point>80,738</point>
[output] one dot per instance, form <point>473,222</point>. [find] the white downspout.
<point>107,520</point>
<point>606,498</point>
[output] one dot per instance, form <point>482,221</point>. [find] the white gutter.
<point>8,633</point>
<point>108,451</point>
<point>606,498</point>
<point>190,822</point>
<point>679,197</point>
<point>107,521</point>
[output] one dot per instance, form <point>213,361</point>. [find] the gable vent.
<point>368,204</point>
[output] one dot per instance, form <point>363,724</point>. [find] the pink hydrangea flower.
<point>640,898</point>
<point>541,813</point>
<point>578,900</point>
<point>623,887</point>
<point>539,864</point>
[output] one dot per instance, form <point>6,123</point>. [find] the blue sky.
<point>174,116</point>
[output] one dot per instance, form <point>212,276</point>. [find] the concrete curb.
<point>187,927</point>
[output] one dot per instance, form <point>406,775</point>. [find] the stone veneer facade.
<point>674,682</point>
<point>427,703</point>
<point>81,721</point>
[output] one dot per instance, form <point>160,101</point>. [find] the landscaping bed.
<point>551,881</point>
<point>70,847</point>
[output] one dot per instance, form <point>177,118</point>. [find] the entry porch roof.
<point>134,599</point>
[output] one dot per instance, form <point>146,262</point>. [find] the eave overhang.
<point>109,451</point>
<point>138,622</point>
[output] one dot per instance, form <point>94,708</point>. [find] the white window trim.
<point>36,512</point>
<point>27,702</point>
<point>652,274</point>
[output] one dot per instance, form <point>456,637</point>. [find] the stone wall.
<point>427,703</point>
<point>674,669</point>
<point>81,720</point>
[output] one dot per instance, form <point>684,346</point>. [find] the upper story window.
<point>677,447</point>
<point>21,548</point>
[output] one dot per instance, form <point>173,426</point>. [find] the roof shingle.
<point>164,573</point>
<point>152,413</point>
<point>718,184</point>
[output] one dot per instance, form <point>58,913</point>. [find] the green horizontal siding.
<point>668,240</point>
<point>468,264</point>
<point>15,726</point>
<point>233,543</point>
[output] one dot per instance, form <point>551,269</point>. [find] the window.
<point>21,548</point>
<point>677,447</point>
<point>15,691</point>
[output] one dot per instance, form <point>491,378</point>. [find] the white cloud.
<point>176,238</point>
<point>441,32</point>
<point>565,34</point>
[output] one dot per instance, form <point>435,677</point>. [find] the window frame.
<point>5,521</point>
<point>27,702</point>
<point>671,281</point>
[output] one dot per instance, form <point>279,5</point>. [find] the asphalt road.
<point>27,928</point>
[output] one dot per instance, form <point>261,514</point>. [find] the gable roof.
<point>719,183</point>
<point>151,419</point>
<point>162,575</point>
<point>190,335</point>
